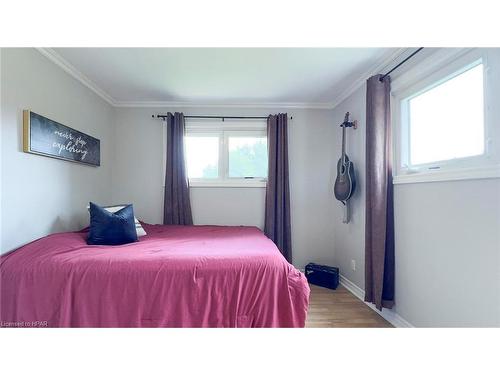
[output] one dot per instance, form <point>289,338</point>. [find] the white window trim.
<point>226,128</point>
<point>442,64</point>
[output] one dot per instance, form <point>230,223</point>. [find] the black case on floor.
<point>324,276</point>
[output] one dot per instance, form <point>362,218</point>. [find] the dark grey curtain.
<point>177,206</point>
<point>277,220</point>
<point>379,235</point>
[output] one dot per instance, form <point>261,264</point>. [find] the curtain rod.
<point>221,117</point>
<point>401,63</point>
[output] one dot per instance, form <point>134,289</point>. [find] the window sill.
<point>448,175</point>
<point>228,184</point>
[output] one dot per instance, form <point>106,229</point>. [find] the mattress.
<point>175,276</point>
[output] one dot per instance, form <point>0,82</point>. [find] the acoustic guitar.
<point>345,183</point>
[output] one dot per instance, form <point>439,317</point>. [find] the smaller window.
<point>443,124</point>
<point>443,127</point>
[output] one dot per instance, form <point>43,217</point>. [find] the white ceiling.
<point>222,76</point>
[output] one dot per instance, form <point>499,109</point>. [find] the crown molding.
<point>75,73</point>
<point>82,78</point>
<point>160,104</point>
<point>374,69</point>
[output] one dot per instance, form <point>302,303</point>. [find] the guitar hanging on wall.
<point>345,183</point>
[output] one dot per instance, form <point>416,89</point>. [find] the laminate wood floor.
<point>340,308</point>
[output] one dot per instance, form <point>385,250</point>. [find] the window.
<point>202,156</point>
<point>226,154</point>
<point>446,121</point>
<point>441,127</point>
<point>247,156</point>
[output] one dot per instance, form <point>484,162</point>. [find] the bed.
<point>176,276</point>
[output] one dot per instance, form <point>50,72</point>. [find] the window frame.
<point>224,130</point>
<point>440,67</point>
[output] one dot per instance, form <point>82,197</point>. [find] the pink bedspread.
<point>176,276</point>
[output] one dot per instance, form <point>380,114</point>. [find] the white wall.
<point>447,240</point>
<point>41,195</point>
<point>138,178</point>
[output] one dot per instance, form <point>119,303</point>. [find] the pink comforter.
<point>176,276</point>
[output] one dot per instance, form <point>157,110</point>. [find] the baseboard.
<point>395,319</point>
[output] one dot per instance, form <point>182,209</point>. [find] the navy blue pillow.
<point>108,228</point>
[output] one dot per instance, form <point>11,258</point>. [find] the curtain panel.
<point>379,229</point>
<point>277,211</point>
<point>177,205</point>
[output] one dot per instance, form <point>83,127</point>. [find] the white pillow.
<point>138,227</point>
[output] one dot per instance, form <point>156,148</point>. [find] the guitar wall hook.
<point>349,124</point>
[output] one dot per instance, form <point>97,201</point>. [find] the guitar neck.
<point>343,143</point>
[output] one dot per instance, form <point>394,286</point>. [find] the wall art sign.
<point>46,137</point>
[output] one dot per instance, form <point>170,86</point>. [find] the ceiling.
<point>315,77</point>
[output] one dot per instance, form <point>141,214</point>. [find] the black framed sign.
<point>46,137</point>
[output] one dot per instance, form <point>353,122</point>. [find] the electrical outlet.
<point>353,264</point>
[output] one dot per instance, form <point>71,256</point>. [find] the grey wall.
<point>350,238</point>
<point>448,253</point>
<point>447,240</point>
<point>228,206</point>
<point>137,178</point>
<point>42,195</point>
